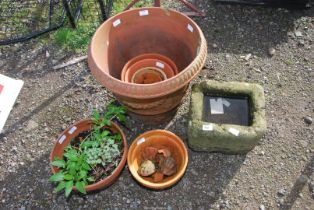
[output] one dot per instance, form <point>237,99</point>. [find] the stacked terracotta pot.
<point>147,57</point>
<point>148,69</point>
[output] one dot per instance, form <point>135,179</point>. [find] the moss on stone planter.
<point>227,138</point>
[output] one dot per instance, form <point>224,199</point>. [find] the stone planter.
<point>147,31</point>
<point>216,130</point>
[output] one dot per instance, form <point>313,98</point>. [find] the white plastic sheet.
<point>9,90</point>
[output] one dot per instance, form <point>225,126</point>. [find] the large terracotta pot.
<point>142,31</point>
<point>85,125</point>
<point>159,139</point>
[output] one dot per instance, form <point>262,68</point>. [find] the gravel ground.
<point>272,47</point>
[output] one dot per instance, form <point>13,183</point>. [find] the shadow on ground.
<point>202,184</point>
<point>10,129</point>
<point>247,29</point>
<point>206,178</point>
<point>299,184</point>
<point>31,60</point>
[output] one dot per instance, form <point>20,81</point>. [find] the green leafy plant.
<point>74,171</point>
<point>90,159</point>
<point>75,39</point>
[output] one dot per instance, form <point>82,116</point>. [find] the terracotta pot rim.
<point>176,178</point>
<point>114,175</point>
<point>156,89</point>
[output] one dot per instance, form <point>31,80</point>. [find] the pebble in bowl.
<point>161,140</point>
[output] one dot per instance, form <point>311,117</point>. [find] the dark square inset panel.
<point>235,110</point>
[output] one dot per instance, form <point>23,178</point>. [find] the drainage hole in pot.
<point>148,76</point>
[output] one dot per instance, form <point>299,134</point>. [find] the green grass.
<point>119,5</point>
<point>289,62</point>
<point>78,39</point>
<point>75,39</point>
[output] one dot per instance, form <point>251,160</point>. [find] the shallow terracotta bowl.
<point>159,139</point>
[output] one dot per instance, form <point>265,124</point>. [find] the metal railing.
<point>21,20</point>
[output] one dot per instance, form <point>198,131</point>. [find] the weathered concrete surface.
<point>219,138</point>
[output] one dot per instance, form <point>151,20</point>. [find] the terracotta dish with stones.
<point>165,142</point>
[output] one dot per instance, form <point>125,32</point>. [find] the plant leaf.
<point>87,144</point>
<point>60,186</point>
<point>105,133</point>
<point>57,158</point>
<point>110,141</point>
<point>85,166</point>
<point>80,187</point>
<point>71,156</point>
<point>58,163</point>
<point>121,118</point>
<point>71,166</point>
<point>118,137</point>
<point>91,179</point>
<point>105,122</point>
<point>57,177</point>
<point>96,116</point>
<point>82,175</point>
<point>68,188</point>
<point>68,177</point>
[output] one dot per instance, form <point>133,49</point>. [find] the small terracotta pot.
<point>159,139</point>
<point>155,64</point>
<point>143,31</point>
<point>168,63</point>
<point>148,75</point>
<point>85,125</point>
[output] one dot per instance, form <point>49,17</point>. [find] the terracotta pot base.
<point>158,119</point>
<point>154,106</point>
